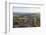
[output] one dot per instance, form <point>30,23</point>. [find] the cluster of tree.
<point>26,21</point>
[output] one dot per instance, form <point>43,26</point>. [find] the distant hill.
<point>26,14</point>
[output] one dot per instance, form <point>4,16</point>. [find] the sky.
<point>25,10</point>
